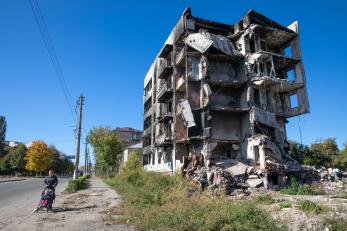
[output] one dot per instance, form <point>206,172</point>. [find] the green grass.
<point>153,201</point>
<point>310,207</point>
<point>295,188</point>
<point>342,196</point>
<point>78,184</point>
<point>285,204</point>
<point>336,224</point>
<point>265,199</point>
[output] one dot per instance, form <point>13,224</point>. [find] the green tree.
<point>3,126</point>
<point>106,146</point>
<point>5,164</point>
<point>324,152</point>
<point>341,160</point>
<point>57,160</point>
<point>16,157</point>
<point>299,152</point>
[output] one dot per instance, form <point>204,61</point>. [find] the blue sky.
<point>105,48</point>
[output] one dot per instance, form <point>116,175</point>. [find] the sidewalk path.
<point>95,208</point>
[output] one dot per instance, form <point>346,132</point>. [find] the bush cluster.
<point>295,188</point>
<point>78,184</point>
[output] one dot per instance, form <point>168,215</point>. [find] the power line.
<point>51,53</point>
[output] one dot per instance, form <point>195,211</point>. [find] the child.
<point>47,195</point>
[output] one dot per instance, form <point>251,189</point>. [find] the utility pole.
<point>78,137</point>
<point>85,158</point>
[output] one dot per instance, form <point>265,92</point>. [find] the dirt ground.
<point>95,208</point>
<point>296,220</point>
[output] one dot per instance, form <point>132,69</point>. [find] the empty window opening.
<point>228,154</point>
<point>252,45</point>
<point>256,155</point>
<point>294,101</point>
<point>256,93</point>
<point>263,45</point>
<point>291,75</point>
<point>265,130</point>
<point>273,178</point>
<point>269,101</point>
<point>288,52</point>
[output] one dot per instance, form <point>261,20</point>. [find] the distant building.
<point>129,136</point>
<point>127,150</point>
<point>124,155</point>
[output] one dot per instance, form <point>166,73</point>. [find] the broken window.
<point>252,45</point>
<point>193,68</point>
<point>256,94</point>
<point>263,45</point>
<point>294,101</point>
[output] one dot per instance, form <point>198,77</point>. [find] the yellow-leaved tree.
<point>39,157</point>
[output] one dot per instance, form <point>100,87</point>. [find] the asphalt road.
<point>19,198</point>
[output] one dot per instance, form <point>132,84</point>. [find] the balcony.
<point>165,117</point>
<point>164,69</point>
<point>181,58</point>
<point>276,84</point>
<point>148,96</point>
<point>164,92</point>
<point>148,113</point>
<point>147,131</point>
<point>165,51</point>
<point>163,140</point>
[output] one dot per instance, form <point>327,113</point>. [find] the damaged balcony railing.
<point>164,92</point>
<point>164,69</point>
<point>165,117</point>
<point>163,139</point>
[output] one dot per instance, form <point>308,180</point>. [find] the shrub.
<point>310,207</point>
<point>295,188</point>
<point>265,199</point>
<point>78,184</point>
<point>285,204</point>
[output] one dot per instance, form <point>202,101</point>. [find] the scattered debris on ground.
<point>238,179</point>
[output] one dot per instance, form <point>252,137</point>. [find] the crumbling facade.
<point>219,93</point>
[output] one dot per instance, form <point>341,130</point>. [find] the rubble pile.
<point>231,177</point>
<point>238,179</point>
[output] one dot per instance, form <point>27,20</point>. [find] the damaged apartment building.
<point>217,93</point>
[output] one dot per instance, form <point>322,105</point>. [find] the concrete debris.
<point>254,182</point>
